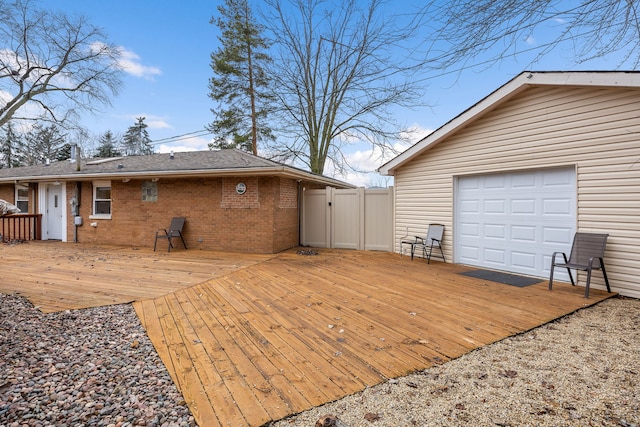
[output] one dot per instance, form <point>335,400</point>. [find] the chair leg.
<point>571,277</point>
<point>429,254</point>
<point>442,253</point>
<point>604,273</point>
<point>155,243</point>
<point>589,270</point>
<point>553,266</point>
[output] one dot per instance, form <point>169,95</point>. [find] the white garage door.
<point>515,221</point>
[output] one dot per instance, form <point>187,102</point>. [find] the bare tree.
<point>51,65</point>
<point>342,69</point>
<point>493,30</point>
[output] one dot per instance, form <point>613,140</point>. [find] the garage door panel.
<point>470,184</point>
<point>469,206</point>
<point>564,178</point>
<point>497,182</point>
<point>469,230</point>
<point>524,233</point>
<point>525,260</point>
<point>494,256</point>
<point>494,206</point>
<point>562,206</point>
<point>470,254</point>
<point>523,206</point>
<point>495,231</point>
<point>557,236</point>
<point>523,181</point>
<point>515,221</point>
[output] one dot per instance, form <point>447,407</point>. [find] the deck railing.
<point>21,227</point>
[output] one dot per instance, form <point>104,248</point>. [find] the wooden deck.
<point>254,338</point>
<point>294,331</point>
<point>57,276</point>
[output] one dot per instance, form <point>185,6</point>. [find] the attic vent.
<point>99,162</point>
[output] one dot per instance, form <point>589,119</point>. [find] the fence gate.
<point>348,219</point>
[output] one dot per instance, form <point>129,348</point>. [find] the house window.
<point>102,200</point>
<point>22,198</point>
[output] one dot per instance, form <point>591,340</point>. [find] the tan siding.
<point>596,130</point>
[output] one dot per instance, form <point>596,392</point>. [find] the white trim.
<point>100,184</point>
<point>17,199</point>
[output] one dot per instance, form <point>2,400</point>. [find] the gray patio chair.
<point>175,231</point>
<point>433,240</point>
<point>587,253</point>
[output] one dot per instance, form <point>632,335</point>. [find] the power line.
<point>194,134</point>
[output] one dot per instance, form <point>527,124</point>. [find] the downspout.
<point>76,198</point>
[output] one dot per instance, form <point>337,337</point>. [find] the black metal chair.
<point>587,254</point>
<point>433,240</point>
<point>175,230</point>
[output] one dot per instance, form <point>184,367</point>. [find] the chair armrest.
<point>553,257</point>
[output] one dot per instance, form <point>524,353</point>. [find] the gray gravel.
<point>91,367</point>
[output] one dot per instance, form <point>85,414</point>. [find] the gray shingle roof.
<point>196,163</point>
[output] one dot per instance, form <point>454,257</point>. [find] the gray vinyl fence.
<point>348,219</point>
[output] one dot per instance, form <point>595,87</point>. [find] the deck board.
<point>390,317</point>
<point>250,338</point>
<point>59,276</point>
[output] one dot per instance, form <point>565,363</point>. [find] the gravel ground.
<point>91,367</point>
<point>96,367</point>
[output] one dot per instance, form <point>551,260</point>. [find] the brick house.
<point>233,201</point>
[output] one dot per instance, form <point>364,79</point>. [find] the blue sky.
<point>168,46</point>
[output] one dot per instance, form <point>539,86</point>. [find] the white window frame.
<point>19,199</point>
<point>96,185</point>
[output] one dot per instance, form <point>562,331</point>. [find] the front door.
<point>54,212</point>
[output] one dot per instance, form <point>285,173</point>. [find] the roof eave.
<point>282,171</point>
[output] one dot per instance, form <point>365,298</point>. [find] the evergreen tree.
<point>41,144</point>
<point>64,153</point>
<point>108,146</point>
<point>136,140</point>
<point>240,84</point>
<point>10,142</point>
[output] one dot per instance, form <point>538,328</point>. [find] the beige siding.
<point>595,130</point>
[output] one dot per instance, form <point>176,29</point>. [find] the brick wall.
<point>264,219</point>
<point>8,192</point>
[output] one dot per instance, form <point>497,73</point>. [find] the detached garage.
<point>516,175</point>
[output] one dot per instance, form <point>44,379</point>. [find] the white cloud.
<point>366,160</point>
<point>158,124</point>
<point>530,40</point>
<point>183,145</point>
<point>131,64</point>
